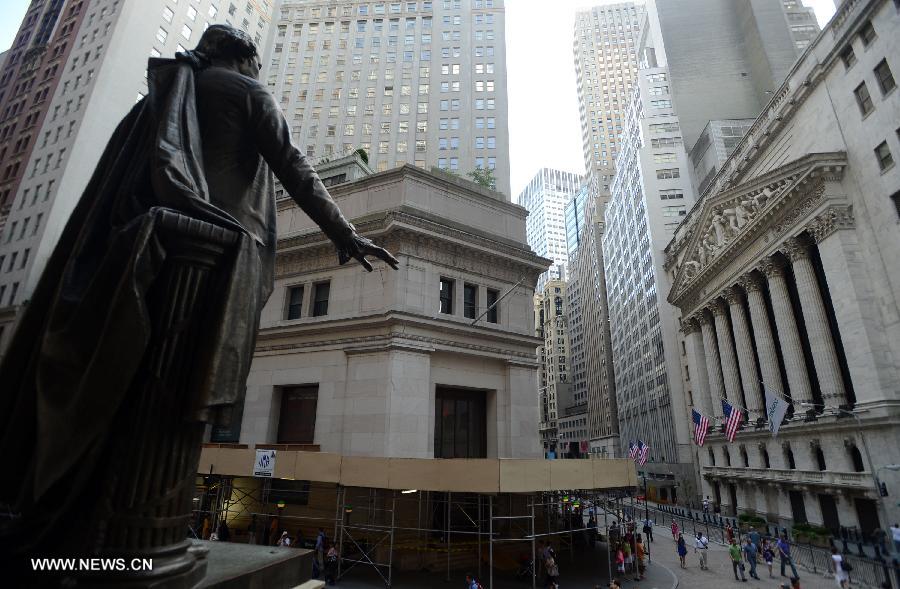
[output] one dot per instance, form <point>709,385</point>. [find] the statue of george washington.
<point>146,314</point>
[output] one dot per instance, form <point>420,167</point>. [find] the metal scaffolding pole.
<point>491,540</point>
<point>448,535</point>
<point>391,550</point>
<point>480,517</point>
<point>533,560</point>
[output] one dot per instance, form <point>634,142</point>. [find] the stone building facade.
<point>786,279</point>
<point>555,396</point>
<point>418,362</point>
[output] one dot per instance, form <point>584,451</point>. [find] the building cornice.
<point>769,207</point>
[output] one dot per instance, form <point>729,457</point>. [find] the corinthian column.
<point>788,335</point>
<point>700,376</point>
<point>730,373</point>
<point>821,342</point>
<point>713,364</point>
<point>762,334</point>
<point>744,345</point>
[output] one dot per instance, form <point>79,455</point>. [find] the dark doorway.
<point>867,513</point>
<point>798,509</point>
<point>732,491</point>
<point>829,513</point>
<point>459,424</point>
<point>297,423</point>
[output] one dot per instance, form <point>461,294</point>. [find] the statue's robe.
<point>203,142</point>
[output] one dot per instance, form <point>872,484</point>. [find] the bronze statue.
<point>146,314</point>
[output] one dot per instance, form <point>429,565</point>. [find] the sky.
<point>540,79</point>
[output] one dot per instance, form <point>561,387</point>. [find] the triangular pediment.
<point>724,222</point>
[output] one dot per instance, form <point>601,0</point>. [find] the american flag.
<point>632,450</point>
<point>644,453</point>
<point>701,426</point>
<point>733,419</point>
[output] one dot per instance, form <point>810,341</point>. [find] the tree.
<point>483,177</point>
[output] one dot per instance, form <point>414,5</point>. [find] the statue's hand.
<point>362,247</point>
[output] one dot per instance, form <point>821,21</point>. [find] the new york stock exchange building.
<point>787,277</point>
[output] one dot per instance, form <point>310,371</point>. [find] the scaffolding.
<point>385,528</point>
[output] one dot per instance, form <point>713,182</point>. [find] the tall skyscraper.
<point>545,197</point>
<point>591,368</point>
<point>415,81</point>
<point>605,65</point>
<point>73,72</point>
<point>802,22</point>
<point>700,60</point>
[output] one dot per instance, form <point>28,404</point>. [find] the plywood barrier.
<point>485,475</point>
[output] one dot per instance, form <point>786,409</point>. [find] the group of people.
<point>630,555</point>
<point>744,555</point>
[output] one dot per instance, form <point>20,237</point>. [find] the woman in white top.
<point>840,575</point>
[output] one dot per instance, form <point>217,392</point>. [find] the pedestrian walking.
<point>737,563</point>
<point>756,539</point>
<point>251,530</point>
<point>729,533</point>
<point>706,505</point>
<point>620,559</point>
<point>895,534</point>
<point>648,529</point>
<point>784,553</point>
<point>841,576</point>
<point>768,555</point>
<point>471,582</point>
<point>629,556</point>
<point>750,553</point>
<point>639,553</point>
<point>331,565</point>
<point>674,530</point>
<point>321,541</point>
<point>701,547</point>
<point>284,540</point>
<point>552,572</point>
<point>682,550</point>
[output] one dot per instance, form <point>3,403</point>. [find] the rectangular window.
<point>668,173</point>
<point>459,424</point>
<point>867,33</point>
<point>885,77</point>
<point>320,299</point>
<point>863,99</point>
<point>294,302</point>
<point>493,306</point>
<point>470,301</point>
<point>848,57</point>
<point>446,296</point>
<point>297,420</point>
<point>883,153</point>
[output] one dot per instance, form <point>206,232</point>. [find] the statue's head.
<point>226,44</point>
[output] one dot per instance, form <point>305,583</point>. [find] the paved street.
<point>720,573</point>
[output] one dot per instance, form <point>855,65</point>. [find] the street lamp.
<point>872,469</point>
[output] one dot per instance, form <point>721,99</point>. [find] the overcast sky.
<point>541,79</point>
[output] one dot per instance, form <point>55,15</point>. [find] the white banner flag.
<point>776,408</point>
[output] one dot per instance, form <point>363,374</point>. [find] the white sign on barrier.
<point>264,465</point>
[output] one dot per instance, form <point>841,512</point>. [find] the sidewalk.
<point>720,572</point>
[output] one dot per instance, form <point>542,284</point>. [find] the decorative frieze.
<point>832,219</point>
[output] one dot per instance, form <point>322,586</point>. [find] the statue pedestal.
<point>240,566</point>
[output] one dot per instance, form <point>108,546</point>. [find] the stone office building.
<point>787,277</point>
<point>434,360</point>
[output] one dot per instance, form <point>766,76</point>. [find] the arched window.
<point>856,457</point>
<point>712,457</point>
<point>789,458</point>
<point>727,456</point>
<point>744,458</point>
<point>765,458</point>
<point>820,458</point>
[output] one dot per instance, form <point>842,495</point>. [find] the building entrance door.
<point>829,513</point>
<point>798,509</point>
<point>867,512</point>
